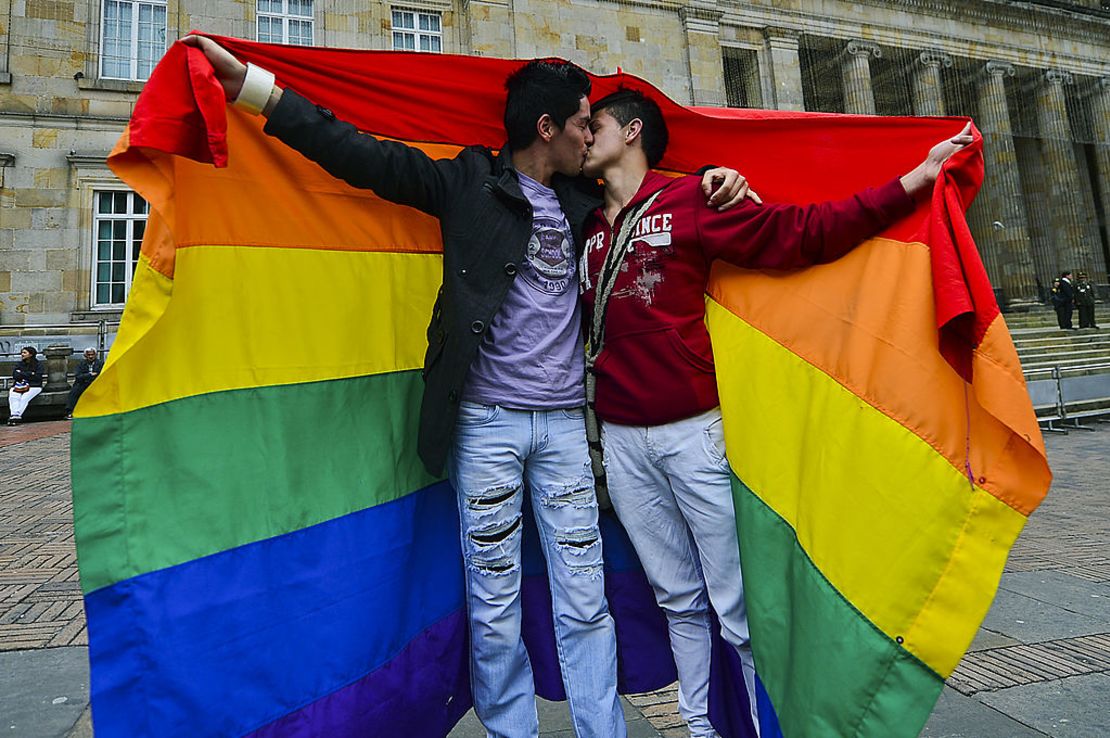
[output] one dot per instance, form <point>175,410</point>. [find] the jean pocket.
<point>713,438</point>
<point>473,413</point>
<point>574,413</point>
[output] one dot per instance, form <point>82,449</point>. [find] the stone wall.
<point>1020,69</point>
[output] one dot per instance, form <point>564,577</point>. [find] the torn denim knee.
<point>578,494</point>
<point>493,543</point>
<point>489,501</point>
<point>580,549</point>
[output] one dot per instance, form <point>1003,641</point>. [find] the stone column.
<point>928,90</point>
<point>784,70</point>
<point>859,98</point>
<point>1100,120</point>
<point>1068,221</point>
<point>1004,237</point>
<point>702,25</point>
<point>57,363</point>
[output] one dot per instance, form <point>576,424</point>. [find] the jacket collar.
<point>503,179</point>
<point>652,183</point>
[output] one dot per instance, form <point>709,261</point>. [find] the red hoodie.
<point>657,364</point>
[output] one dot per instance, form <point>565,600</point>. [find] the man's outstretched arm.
<point>230,72</point>
<point>777,236</point>
<point>920,179</point>
<point>396,172</point>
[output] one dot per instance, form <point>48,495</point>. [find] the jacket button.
<point>477,326</point>
<point>510,269</point>
<point>453,396</point>
<point>462,272</point>
<point>325,112</point>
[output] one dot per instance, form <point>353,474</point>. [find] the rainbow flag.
<point>262,553</point>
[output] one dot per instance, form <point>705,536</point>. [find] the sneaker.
<point>69,416</point>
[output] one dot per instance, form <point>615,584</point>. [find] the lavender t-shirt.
<point>531,356</point>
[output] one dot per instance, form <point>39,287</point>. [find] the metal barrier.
<point>102,330</point>
<point>1064,395</point>
<point>102,327</point>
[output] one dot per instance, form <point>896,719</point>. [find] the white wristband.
<point>257,86</point>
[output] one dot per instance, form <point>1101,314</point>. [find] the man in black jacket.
<point>504,390</point>
<point>87,371</point>
<point>1063,299</point>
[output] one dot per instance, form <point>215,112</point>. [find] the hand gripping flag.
<point>262,554</point>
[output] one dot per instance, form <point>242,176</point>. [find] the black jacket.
<point>485,221</point>
<point>1085,294</point>
<point>87,371</point>
<point>31,372</point>
<point>1066,293</point>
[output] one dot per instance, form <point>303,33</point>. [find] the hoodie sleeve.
<point>778,236</point>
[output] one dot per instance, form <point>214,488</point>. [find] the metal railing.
<point>1066,393</point>
<point>102,331</point>
<point>9,358</point>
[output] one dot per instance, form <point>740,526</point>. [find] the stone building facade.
<point>1034,75</point>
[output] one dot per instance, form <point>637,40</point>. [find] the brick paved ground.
<point>1039,667</point>
<point>1064,545</point>
<point>1041,662</point>
<point>40,596</point>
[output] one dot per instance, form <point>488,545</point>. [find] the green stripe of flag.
<point>829,670</point>
<point>283,458</point>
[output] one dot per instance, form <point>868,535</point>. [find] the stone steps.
<point>1060,343</point>
<point>1062,360</point>
<point>1043,317</point>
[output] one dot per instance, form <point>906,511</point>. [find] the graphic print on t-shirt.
<point>650,245</point>
<point>549,265</point>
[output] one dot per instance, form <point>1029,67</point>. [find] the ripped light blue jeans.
<point>498,454</point>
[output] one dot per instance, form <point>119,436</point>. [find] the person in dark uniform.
<point>1085,301</point>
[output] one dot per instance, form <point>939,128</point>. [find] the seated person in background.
<point>27,382</point>
<point>87,371</point>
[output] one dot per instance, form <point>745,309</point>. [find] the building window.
<point>285,22</point>
<point>132,38</point>
<point>741,67</point>
<point>415,30</point>
<point>119,220</point>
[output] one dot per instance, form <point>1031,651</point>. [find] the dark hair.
<point>34,352</point>
<point>542,86</point>
<point>626,105</point>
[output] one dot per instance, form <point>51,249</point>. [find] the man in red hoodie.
<point>648,251</point>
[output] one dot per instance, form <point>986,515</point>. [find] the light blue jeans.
<point>498,453</point>
<point>671,489</point>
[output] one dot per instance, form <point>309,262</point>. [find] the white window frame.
<point>414,31</point>
<point>285,16</point>
<point>133,247</point>
<point>133,54</point>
